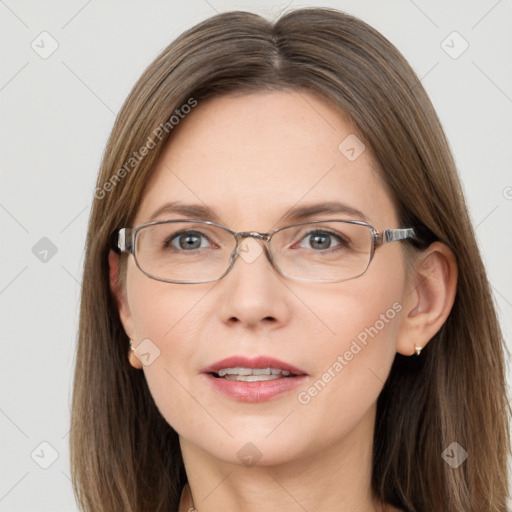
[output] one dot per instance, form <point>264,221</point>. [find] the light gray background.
<point>56,114</point>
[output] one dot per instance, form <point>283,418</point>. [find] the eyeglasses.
<point>194,251</point>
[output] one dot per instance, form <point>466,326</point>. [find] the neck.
<point>336,479</point>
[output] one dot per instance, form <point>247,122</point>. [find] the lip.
<point>258,362</point>
<point>253,391</point>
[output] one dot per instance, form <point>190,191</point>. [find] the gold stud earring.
<point>418,350</point>
<point>131,346</point>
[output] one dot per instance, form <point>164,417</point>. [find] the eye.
<point>322,240</point>
<point>187,240</point>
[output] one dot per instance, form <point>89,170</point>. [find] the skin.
<point>250,158</point>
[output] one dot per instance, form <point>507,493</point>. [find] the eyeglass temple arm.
<point>393,235</point>
<point>124,239</point>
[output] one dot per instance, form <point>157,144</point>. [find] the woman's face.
<point>250,159</point>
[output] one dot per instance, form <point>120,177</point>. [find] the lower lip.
<point>255,391</point>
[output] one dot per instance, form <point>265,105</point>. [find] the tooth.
<point>238,371</point>
<point>256,378</point>
<point>262,371</point>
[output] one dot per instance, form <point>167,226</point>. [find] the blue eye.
<point>187,240</point>
<point>322,240</point>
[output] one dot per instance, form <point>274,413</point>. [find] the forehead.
<point>250,158</point>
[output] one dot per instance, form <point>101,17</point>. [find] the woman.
<point>284,306</point>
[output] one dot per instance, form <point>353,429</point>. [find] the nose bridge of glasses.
<point>249,250</point>
<point>245,247</point>
<point>252,234</point>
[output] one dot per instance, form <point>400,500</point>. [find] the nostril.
<point>235,320</point>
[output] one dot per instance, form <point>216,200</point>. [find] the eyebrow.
<point>294,214</point>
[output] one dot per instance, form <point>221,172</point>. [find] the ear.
<point>428,304</point>
<point>122,305</point>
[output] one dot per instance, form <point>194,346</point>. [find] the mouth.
<point>252,374</point>
<point>253,379</point>
<point>252,369</point>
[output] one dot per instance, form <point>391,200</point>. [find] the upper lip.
<point>258,362</point>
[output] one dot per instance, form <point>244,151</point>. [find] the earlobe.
<point>122,305</point>
<point>132,357</point>
<point>429,303</point>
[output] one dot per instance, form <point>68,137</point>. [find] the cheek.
<point>158,309</point>
<point>169,320</point>
<point>357,333</point>
<point>364,312</point>
<point>357,346</point>
<point>351,365</point>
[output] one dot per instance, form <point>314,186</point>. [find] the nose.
<point>252,294</point>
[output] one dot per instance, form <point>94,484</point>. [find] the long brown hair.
<point>124,455</point>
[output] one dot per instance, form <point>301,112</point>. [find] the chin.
<point>255,447</point>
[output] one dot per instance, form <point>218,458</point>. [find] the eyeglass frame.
<point>126,238</point>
